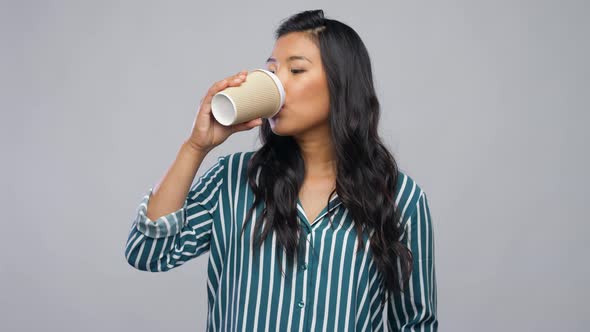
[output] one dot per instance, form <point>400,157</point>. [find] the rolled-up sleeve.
<point>173,239</point>
<point>415,308</point>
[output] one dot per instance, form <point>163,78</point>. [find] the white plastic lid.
<point>279,86</point>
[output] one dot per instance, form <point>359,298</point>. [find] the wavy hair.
<point>366,171</point>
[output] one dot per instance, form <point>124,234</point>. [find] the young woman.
<point>317,230</point>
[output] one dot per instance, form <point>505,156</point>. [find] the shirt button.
<point>300,304</point>
<point>304,266</point>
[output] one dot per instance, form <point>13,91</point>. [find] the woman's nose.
<point>282,75</point>
<point>281,78</point>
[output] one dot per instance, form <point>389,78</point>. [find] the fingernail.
<point>237,80</point>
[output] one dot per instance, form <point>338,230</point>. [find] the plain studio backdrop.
<point>484,104</point>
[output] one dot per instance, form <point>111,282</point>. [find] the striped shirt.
<point>329,287</point>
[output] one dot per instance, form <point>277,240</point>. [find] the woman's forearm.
<point>170,193</point>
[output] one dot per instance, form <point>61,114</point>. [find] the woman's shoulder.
<point>236,164</point>
<point>237,158</point>
<point>407,193</point>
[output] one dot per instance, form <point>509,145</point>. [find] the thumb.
<point>247,125</point>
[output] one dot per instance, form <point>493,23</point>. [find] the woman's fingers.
<point>238,79</point>
<point>247,125</point>
<point>218,86</point>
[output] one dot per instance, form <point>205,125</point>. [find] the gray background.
<point>485,105</point>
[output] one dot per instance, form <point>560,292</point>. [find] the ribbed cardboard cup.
<point>261,95</point>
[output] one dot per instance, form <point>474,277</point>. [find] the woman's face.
<point>297,62</point>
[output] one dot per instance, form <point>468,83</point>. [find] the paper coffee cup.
<point>261,95</point>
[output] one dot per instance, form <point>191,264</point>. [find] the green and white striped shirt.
<point>329,287</point>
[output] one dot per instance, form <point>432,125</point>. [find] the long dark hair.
<point>366,171</point>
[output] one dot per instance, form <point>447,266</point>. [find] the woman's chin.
<point>278,127</point>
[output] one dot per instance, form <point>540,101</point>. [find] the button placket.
<point>301,303</point>
<point>307,267</point>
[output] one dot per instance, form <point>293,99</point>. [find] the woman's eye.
<point>294,71</point>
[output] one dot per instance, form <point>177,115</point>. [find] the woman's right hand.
<point>207,132</point>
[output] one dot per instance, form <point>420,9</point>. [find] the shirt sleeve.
<point>175,238</point>
<point>415,308</point>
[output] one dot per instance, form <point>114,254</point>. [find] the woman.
<point>317,230</point>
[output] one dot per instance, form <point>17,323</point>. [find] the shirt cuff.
<point>167,225</point>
